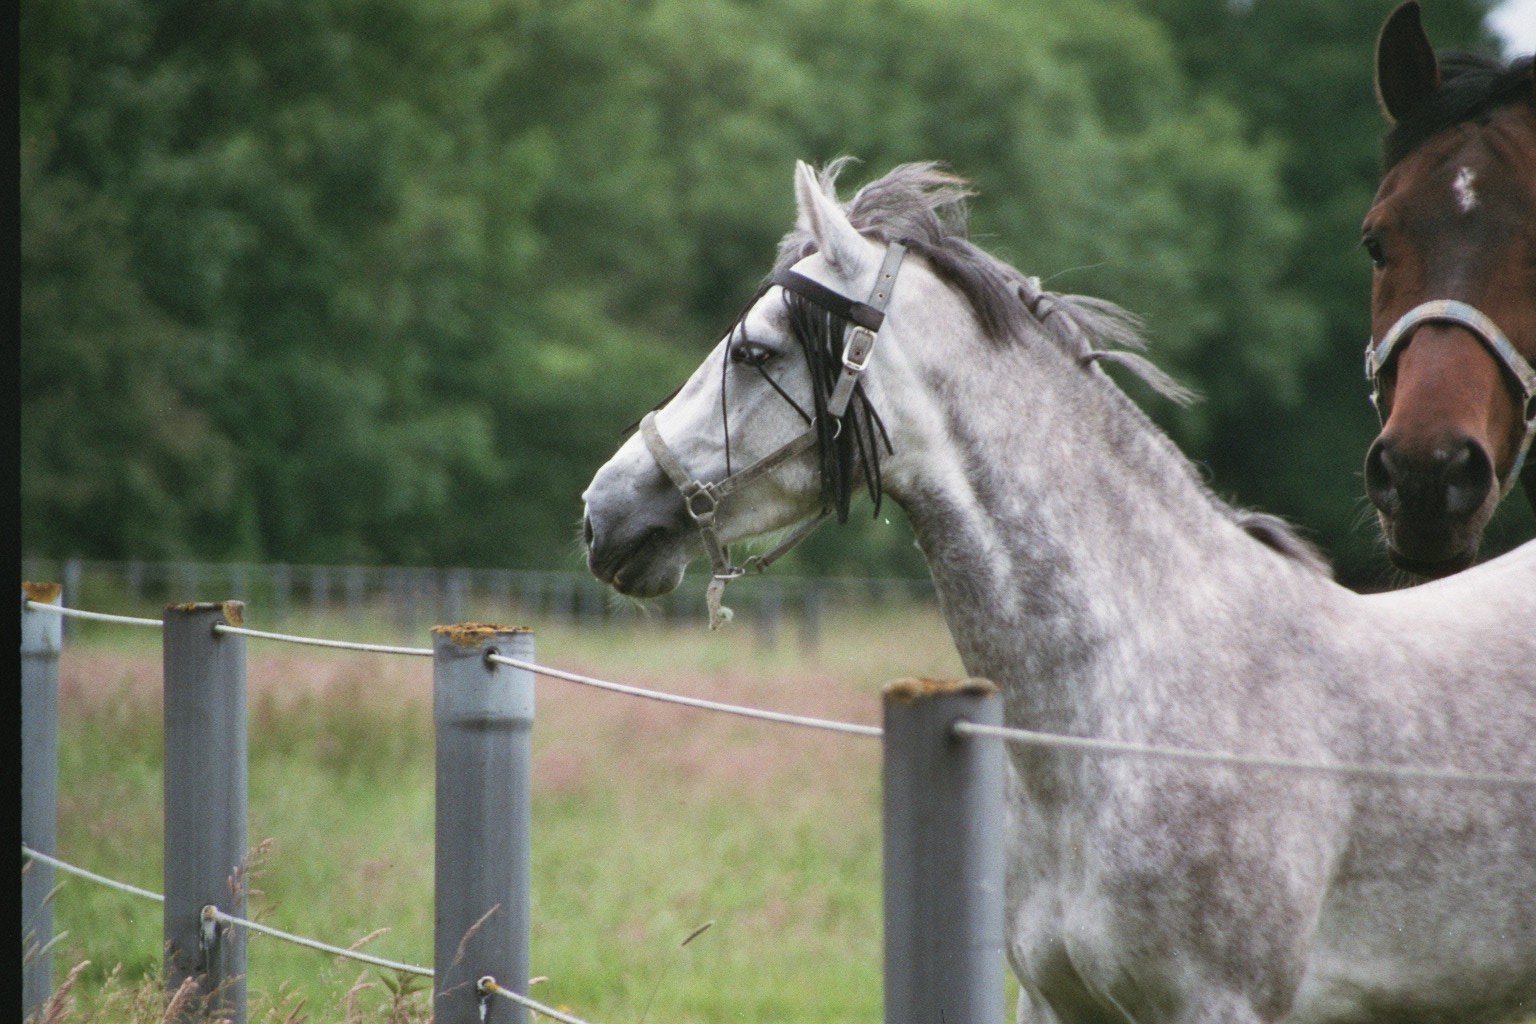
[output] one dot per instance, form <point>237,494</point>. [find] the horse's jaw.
<point>1430,554</point>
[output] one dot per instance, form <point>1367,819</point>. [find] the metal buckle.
<point>861,345</point>
<point>700,491</point>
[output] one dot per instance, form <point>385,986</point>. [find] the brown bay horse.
<point>1452,234</point>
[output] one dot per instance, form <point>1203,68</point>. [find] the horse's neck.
<point>1070,542</point>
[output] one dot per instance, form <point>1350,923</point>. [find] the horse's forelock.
<point>921,205</point>
<point>847,450</point>
<point>924,206</point>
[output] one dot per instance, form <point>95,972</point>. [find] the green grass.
<point>649,821</point>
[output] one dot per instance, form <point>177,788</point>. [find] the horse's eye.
<point>750,353</point>
<point>1374,249</point>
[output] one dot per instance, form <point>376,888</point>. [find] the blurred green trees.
<point>1301,72</point>
<point>381,280</point>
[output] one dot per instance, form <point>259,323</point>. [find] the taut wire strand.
<point>345,645</point>
<point>488,986</point>
<point>1398,773</point>
<point>67,868</point>
<point>323,947</point>
<point>219,915</point>
<point>1395,773</point>
<point>75,613</point>
<point>847,728</point>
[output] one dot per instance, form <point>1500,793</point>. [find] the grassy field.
<point>649,821</point>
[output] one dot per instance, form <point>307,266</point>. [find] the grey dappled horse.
<point>1082,565</point>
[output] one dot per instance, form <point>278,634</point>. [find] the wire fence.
<point>413,597</point>
<point>76,613</point>
<point>1023,737</point>
<point>1360,772</point>
<point>309,641</point>
<point>90,876</point>
<point>757,714</point>
<point>487,987</point>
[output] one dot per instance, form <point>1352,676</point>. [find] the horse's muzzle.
<point>1433,505</point>
<point>640,548</point>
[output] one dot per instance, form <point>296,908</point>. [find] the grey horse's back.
<point>1427,857</point>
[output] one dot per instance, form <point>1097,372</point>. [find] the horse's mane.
<point>1472,85</point>
<point>923,206</point>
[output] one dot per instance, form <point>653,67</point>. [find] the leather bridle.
<point>702,499</point>
<point>1379,355</point>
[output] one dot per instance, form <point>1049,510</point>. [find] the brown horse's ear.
<point>1407,73</point>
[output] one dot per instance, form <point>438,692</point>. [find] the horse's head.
<point>1452,234</point>
<point>777,427</point>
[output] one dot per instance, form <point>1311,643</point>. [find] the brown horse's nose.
<point>1443,485</point>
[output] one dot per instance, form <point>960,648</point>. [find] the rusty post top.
<point>42,593</point>
<point>473,634</point>
<point>233,611</point>
<point>912,690</point>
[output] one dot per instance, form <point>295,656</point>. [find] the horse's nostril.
<point>1381,478</point>
<point>586,530</point>
<point>1468,479</point>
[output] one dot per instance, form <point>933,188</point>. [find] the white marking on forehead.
<point>1466,198</point>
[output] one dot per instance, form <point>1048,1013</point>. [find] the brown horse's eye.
<point>1374,249</point>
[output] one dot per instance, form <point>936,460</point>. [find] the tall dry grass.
<point>649,821</point>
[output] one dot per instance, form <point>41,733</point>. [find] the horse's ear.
<point>836,237</point>
<point>1407,73</point>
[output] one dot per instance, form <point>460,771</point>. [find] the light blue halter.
<point>1378,355</point>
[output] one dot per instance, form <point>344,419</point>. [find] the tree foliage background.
<point>361,281</point>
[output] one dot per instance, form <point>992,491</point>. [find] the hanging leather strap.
<point>702,500</point>
<point>867,318</point>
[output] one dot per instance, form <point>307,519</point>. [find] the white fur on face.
<point>1466,197</point>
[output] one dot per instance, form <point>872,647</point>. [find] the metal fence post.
<point>73,572</point>
<point>484,721</point>
<point>943,807</point>
<point>205,806</point>
<point>282,591</point>
<point>812,605</point>
<point>240,581</point>
<point>42,639</point>
<point>767,619</point>
<point>355,582</point>
<point>319,589</point>
<point>456,592</point>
